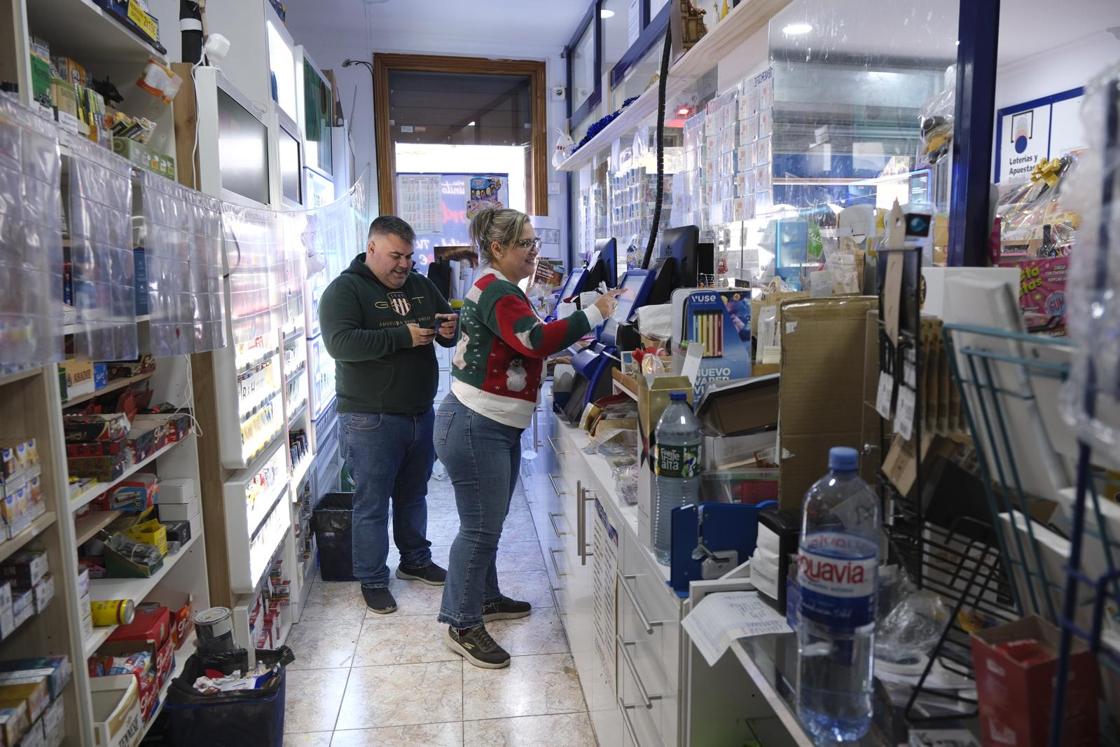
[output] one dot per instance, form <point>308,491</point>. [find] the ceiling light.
<point>684,111</point>
<point>604,13</point>
<point>797,29</point>
<point>471,124</point>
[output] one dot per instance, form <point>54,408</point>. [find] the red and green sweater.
<point>502,345</point>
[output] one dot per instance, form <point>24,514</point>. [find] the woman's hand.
<point>608,302</point>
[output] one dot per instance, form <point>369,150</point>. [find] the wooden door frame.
<point>386,156</point>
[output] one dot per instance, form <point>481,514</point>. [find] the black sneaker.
<point>379,599</point>
<point>505,609</point>
<point>476,646</point>
<point>430,574</point>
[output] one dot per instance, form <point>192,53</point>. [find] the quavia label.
<point>837,574</point>
<point>677,461</point>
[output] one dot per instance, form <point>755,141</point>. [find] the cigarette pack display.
<point>56,668</point>
<point>26,568</point>
<point>44,593</point>
<point>95,427</point>
<point>14,723</point>
<point>36,695</point>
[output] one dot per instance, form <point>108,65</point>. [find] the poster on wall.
<point>486,194</point>
<point>418,200</point>
<point>1045,128</point>
<point>453,223</point>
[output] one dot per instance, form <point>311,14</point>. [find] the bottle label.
<point>678,461</point>
<point>837,573</point>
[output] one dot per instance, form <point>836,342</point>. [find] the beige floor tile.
<point>530,686</point>
<point>531,587</point>
<point>403,695</point>
<point>313,698</point>
<point>314,739</point>
<point>518,557</point>
<point>402,639</point>
<point>426,735</point>
<point>413,598</point>
<point>570,729</point>
<point>325,643</point>
<point>539,633</point>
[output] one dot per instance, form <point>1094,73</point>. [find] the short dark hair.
<point>391,224</point>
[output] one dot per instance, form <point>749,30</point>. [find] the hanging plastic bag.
<point>563,148</point>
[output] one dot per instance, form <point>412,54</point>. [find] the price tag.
<point>904,414</point>
<point>886,395</point>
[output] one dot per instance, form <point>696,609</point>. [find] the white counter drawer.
<point>641,720</point>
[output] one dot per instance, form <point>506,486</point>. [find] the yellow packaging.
<point>36,694</point>
<point>150,533</point>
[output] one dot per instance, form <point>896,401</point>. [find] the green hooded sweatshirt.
<point>364,325</point>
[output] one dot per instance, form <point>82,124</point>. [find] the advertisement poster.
<point>453,219</point>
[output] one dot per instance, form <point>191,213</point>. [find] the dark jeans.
<point>483,458</point>
<point>390,456</point>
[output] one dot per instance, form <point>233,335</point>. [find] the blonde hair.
<point>502,225</point>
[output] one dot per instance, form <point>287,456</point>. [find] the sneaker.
<point>476,646</point>
<point>379,599</point>
<point>430,574</point>
<point>505,609</point>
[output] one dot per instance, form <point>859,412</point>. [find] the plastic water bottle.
<point>677,467</point>
<point>837,572</point>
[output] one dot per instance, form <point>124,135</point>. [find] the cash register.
<point>601,268</point>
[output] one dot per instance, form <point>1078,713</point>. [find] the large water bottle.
<point>677,466</point>
<point>837,573</point>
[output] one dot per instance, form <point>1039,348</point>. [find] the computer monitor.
<point>603,266</point>
<point>635,286</point>
<point>681,243</point>
<point>573,286</point>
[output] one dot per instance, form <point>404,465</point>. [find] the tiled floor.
<point>386,680</point>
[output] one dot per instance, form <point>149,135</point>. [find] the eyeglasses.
<point>533,243</point>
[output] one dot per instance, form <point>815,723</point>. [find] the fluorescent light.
<point>471,124</point>
<point>604,13</point>
<point>797,29</point>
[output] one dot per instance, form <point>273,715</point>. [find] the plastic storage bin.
<point>332,522</point>
<point>234,719</point>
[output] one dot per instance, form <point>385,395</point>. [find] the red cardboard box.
<point>165,663</point>
<point>1016,665</point>
<point>151,623</point>
<point>181,623</point>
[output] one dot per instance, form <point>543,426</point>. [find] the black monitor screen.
<point>291,170</point>
<point>607,251</point>
<point>242,150</point>
<point>631,286</point>
<point>681,243</point>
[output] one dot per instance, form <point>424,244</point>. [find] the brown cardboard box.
<point>823,387</point>
<point>741,406</point>
<point>1015,691</point>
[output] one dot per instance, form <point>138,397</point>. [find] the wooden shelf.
<point>741,23</point>
<point>27,373</point>
<point>89,492</point>
<point>86,527</point>
<point>82,30</point>
<point>112,386</point>
<point>15,544</point>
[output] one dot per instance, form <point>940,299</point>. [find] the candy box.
<point>56,668</point>
<point>13,724</point>
<point>26,567</point>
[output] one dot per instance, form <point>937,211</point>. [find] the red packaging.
<point>1016,665</point>
<point>181,622</point>
<point>149,693</point>
<point>152,623</point>
<point>165,662</point>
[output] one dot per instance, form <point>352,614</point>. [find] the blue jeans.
<point>390,456</point>
<point>483,458</point>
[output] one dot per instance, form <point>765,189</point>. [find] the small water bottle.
<point>837,571</point>
<point>677,470</point>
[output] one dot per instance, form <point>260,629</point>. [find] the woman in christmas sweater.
<point>496,382</point>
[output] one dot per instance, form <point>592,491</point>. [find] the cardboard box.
<point>26,568</point>
<point>35,693</point>
<point>182,623</point>
<point>151,623</point>
<point>13,724</point>
<point>936,279</point>
<point>19,457</point>
<point>56,668</point>
<point>740,406</point>
<point>178,500</point>
<point>79,377</point>
<point>23,606</point>
<point>116,711</point>
<point>822,388</point>
<point>7,617</point>
<point>34,736</point>
<point>1016,691</point>
<point>54,724</point>
<point>44,593</point>
<point>653,398</point>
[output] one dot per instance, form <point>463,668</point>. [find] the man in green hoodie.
<point>379,319</point>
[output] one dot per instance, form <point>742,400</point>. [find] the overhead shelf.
<point>86,527</point>
<point>739,25</point>
<point>82,30</point>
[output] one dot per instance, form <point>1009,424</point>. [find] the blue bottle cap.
<point>843,459</point>
<point>678,396</point>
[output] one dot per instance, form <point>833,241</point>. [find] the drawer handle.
<point>552,520</point>
<point>627,722</point>
<point>553,445</point>
<point>552,554</point>
<point>552,481</point>
<point>637,605</point>
<point>647,699</point>
<point>581,524</point>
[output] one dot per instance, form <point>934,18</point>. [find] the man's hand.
<point>446,325</point>
<point>420,335</point>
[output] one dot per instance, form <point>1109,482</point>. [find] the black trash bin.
<point>332,523</point>
<point>233,719</point>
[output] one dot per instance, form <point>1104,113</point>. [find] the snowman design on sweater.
<point>516,376</point>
